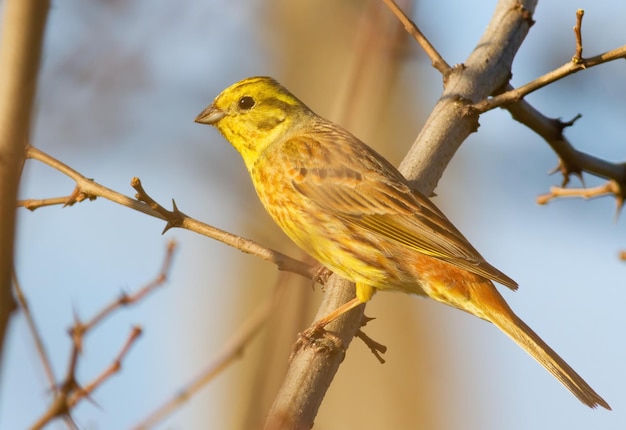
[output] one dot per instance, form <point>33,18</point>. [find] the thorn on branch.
<point>174,217</point>
<point>526,15</point>
<point>568,169</point>
<point>69,392</point>
<point>564,124</point>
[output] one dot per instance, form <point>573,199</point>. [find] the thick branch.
<point>488,68</point>
<point>22,33</point>
<point>453,118</point>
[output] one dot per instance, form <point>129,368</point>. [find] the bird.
<point>350,209</point>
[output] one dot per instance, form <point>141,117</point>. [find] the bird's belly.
<point>358,256</point>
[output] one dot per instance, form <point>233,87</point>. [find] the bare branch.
<point>435,58</point>
<point>513,95</point>
<point>22,27</point>
<point>578,56</point>
<point>571,161</point>
<point>69,392</point>
<point>230,352</point>
<point>88,188</point>
<point>84,392</point>
<point>34,331</point>
<point>128,299</point>
<point>32,204</point>
<point>609,188</point>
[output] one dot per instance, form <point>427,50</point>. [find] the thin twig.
<point>175,218</point>
<point>571,161</point>
<point>609,187</point>
<point>69,392</point>
<point>129,299</point>
<point>33,204</point>
<point>114,367</point>
<point>86,186</point>
<point>435,58</point>
<point>34,331</point>
<point>578,56</point>
<point>515,94</point>
<point>230,352</point>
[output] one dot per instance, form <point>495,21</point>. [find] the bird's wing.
<point>363,189</point>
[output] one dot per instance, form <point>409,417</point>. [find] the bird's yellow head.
<point>253,114</point>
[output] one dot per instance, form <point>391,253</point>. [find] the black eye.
<point>246,103</point>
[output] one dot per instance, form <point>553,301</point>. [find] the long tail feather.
<point>525,337</point>
<point>480,297</point>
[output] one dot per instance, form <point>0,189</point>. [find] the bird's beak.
<point>210,115</point>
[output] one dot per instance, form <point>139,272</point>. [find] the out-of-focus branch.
<point>20,48</point>
<point>229,353</point>
<point>609,188</point>
<point>436,59</point>
<point>69,392</point>
<point>32,326</point>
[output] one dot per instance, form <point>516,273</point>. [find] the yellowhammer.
<point>350,209</point>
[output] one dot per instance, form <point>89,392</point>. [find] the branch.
<point>20,48</point>
<point>609,188</point>
<point>312,369</point>
<point>84,392</point>
<point>69,392</point>
<point>455,117</point>
<point>571,161</point>
<point>436,59</point>
<point>89,189</point>
<point>34,331</point>
<point>80,329</point>
<point>229,353</point>
<point>578,56</point>
<point>512,95</point>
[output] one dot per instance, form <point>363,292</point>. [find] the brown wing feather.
<point>376,197</point>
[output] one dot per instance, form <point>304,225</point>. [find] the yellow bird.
<point>350,209</point>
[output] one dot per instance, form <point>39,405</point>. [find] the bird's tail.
<point>478,296</point>
<point>505,319</point>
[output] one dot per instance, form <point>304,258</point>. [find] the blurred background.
<point>120,85</point>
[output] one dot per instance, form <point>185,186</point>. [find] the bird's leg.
<point>319,325</point>
<point>364,293</point>
<point>316,331</point>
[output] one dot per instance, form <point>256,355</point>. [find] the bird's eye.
<point>246,103</point>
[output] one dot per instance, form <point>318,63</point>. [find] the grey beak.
<point>210,115</point>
